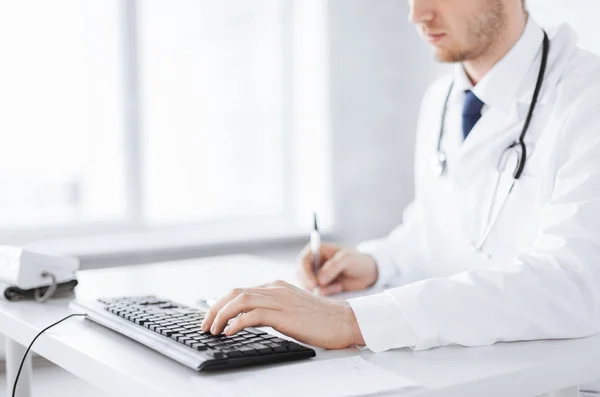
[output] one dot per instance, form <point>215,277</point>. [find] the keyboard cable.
<point>14,390</point>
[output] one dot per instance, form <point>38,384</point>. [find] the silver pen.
<point>315,249</point>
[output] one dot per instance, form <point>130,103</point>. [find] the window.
<point>212,110</point>
<point>133,115</point>
<point>61,145</point>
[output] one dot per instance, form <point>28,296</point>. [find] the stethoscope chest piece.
<point>439,164</point>
<point>514,155</point>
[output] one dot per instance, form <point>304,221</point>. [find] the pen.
<point>315,249</point>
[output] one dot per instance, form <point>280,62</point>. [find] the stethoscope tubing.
<point>517,146</point>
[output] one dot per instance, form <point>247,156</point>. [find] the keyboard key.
<point>296,347</point>
<point>199,346</point>
<point>262,349</point>
<point>232,352</point>
<point>248,351</point>
<point>279,349</point>
<point>216,354</point>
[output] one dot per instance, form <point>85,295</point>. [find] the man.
<point>537,273</point>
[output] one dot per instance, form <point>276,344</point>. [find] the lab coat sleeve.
<point>551,292</point>
<point>398,255</point>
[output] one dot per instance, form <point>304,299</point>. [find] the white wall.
<point>581,14</point>
<point>380,69</point>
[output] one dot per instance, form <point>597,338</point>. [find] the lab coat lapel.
<point>497,126</point>
<point>482,147</point>
<point>492,124</point>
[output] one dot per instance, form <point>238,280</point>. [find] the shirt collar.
<point>499,87</point>
<point>462,82</point>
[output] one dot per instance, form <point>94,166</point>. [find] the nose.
<point>421,11</point>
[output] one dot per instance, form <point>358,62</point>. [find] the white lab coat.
<point>543,279</point>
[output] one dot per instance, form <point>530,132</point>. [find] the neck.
<point>478,67</point>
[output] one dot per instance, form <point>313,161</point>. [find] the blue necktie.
<point>471,112</point>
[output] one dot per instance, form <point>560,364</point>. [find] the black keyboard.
<point>183,324</point>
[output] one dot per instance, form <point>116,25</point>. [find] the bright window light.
<point>211,105</point>
<point>136,115</point>
<point>61,153</point>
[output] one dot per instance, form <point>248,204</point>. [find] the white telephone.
<point>28,270</point>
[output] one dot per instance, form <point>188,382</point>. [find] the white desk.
<point>121,366</point>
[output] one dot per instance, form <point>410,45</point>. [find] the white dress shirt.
<point>543,278</point>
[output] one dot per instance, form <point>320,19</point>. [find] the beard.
<point>484,28</point>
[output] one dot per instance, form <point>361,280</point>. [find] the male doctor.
<point>511,140</point>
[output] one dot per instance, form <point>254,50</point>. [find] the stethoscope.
<point>515,148</point>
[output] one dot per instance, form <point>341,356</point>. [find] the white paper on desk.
<point>342,377</point>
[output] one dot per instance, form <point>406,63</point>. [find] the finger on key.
<point>214,309</point>
<point>243,303</point>
<point>254,318</point>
